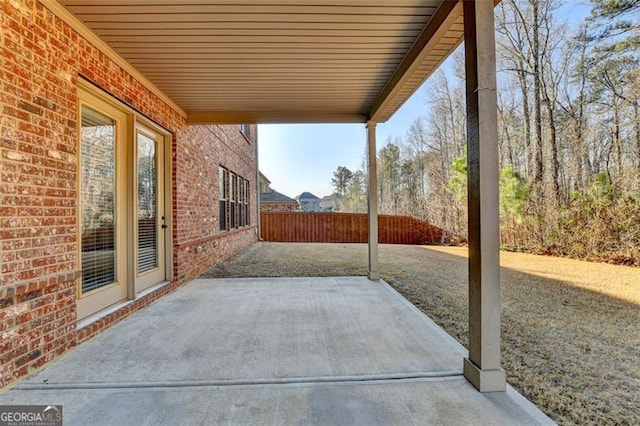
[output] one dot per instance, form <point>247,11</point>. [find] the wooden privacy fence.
<point>303,227</point>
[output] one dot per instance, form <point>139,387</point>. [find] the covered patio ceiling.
<point>252,61</point>
<point>353,61</point>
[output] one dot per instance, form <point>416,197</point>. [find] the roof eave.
<point>272,117</point>
<point>410,74</point>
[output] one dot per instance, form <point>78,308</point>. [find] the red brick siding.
<point>41,59</point>
<point>197,195</point>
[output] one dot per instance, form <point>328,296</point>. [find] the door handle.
<point>164,224</point>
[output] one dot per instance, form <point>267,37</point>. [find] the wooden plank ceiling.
<point>235,61</point>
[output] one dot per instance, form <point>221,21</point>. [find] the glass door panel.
<point>149,208</point>
<point>98,195</point>
<point>102,253</point>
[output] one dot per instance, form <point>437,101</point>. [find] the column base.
<point>373,276</point>
<point>485,380</point>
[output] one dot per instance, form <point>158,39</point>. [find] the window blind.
<point>147,204</point>
<point>98,195</point>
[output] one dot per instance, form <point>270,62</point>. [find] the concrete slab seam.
<point>252,382</point>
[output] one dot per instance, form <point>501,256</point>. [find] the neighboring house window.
<point>245,130</point>
<point>224,196</point>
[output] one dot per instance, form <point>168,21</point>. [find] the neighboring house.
<point>264,184</point>
<point>80,249</point>
<point>308,202</point>
<point>329,203</point>
<point>273,201</point>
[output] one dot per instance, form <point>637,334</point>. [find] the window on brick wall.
<point>223,179</point>
<point>233,197</point>
<point>240,202</point>
<point>234,200</point>
<point>247,220</point>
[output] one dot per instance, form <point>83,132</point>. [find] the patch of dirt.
<point>570,335</point>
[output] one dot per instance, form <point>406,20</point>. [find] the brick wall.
<point>197,216</point>
<point>278,207</point>
<point>41,60</point>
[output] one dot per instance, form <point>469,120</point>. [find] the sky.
<point>302,157</point>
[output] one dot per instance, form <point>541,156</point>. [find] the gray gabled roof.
<point>275,197</point>
<point>307,196</point>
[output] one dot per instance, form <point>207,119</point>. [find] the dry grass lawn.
<point>570,329</point>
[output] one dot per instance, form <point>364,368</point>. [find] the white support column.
<point>372,190</point>
<point>482,368</point>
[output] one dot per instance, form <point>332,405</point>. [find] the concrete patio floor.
<point>330,351</point>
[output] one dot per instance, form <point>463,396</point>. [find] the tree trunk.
<point>555,164</point>
<point>586,171</point>
<point>524,87</point>
<point>617,143</point>
<point>578,153</point>
<point>636,125</point>
<point>507,148</point>
<point>553,138</point>
<point>537,120</point>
